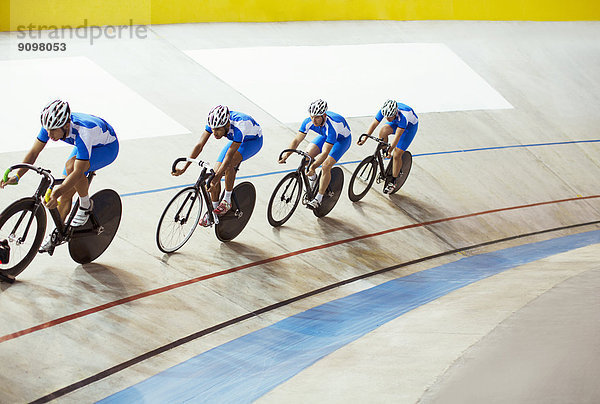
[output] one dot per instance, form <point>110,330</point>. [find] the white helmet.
<point>55,115</point>
<point>390,108</point>
<point>317,108</point>
<point>218,117</point>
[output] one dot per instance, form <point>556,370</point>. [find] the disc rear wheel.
<point>334,190</point>
<point>233,222</point>
<point>406,166</point>
<point>89,241</point>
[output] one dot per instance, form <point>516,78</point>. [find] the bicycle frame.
<point>301,170</point>
<point>47,183</point>
<point>200,184</point>
<point>378,154</point>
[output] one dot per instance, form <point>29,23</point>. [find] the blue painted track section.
<point>246,368</point>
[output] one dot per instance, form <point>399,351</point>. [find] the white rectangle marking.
<point>355,80</point>
<point>28,85</point>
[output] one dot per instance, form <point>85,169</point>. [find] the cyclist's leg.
<point>103,156</point>
<point>316,146</point>
<point>313,149</point>
<point>247,149</point>
<point>100,157</point>
<point>66,199</point>
<point>386,130</point>
<point>326,175</point>
<point>337,151</point>
<point>405,141</point>
<point>230,174</point>
<point>215,192</point>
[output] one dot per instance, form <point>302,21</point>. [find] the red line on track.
<point>152,292</point>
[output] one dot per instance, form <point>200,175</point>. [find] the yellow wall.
<point>116,12</point>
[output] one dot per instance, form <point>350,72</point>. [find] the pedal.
<point>55,240</point>
<point>50,250</point>
<point>238,213</point>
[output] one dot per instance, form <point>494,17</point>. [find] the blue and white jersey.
<point>243,127</point>
<point>335,128</point>
<point>87,131</point>
<point>406,116</point>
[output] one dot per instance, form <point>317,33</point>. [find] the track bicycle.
<point>367,171</point>
<point>182,214</point>
<point>286,196</point>
<point>23,225</point>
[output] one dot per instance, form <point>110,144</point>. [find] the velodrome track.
<point>486,261</point>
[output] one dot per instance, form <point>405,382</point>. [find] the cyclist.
<point>96,146</point>
<point>333,140</point>
<point>245,140</point>
<point>401,121</point>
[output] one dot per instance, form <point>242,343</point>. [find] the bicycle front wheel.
<point>23,225</point>
<point>285,199</point>
<point>179,220</point>
<point>362,179</point>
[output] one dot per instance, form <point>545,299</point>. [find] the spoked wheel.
<point>93,238</point>
<point>284,200</point>
<point>362,179</point>
<point>334,190</point>
<point>23,227</point>
<point>179,220</point>
<point>242,205</point>
<point>406,165</point>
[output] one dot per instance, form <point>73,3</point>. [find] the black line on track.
<point>124,365</point>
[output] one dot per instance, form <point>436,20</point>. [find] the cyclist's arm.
<point>30,158</point>
<point>297,140</point>
<point>227,159</point>
<point>195,152</point>
<point>372,127</point>
<point>32,155</point>
<point>78,174</point>
<point>199,146</point>
<point>370,131</point>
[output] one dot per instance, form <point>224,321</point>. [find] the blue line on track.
<point>246,368</point>
<point>358,161</point>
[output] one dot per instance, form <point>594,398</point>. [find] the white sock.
<point>84,201</point>
<point>227,196</point>
<point>215,204</point>
<point>319,197</point>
